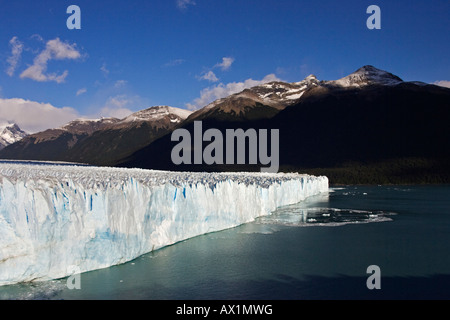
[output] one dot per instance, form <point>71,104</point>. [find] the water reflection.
<point>316,211</point>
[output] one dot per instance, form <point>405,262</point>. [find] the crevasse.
<point>54,217</point>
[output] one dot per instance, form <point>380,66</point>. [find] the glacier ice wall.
<point>54,217</point>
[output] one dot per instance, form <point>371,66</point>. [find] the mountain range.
<point>100,141</point>
<point>367,127</point>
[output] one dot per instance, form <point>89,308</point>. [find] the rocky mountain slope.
<point>368,127</point>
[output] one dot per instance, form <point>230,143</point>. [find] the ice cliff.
<point>54,217</point>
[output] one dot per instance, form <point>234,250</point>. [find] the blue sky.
<point>130,55</point>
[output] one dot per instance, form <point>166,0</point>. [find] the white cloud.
<point>104,70</point>
<point>117,106</point>
<point>183,4</point>
<point>174,63</point>
<point>210,76</point>
<point>37,37</point>
<point>120,83</point>
<point>16,53</point>
<point>81,91</point>
<point>442,83</point>
<point>225,64</point>
<point>221,90</point>
<point>118,113</point>
<point>118,101</point>
<point>34,116</point>
<point>54,50</point>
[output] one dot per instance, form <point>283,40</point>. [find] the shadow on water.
<point>282,287</point>
<point>341,287</point>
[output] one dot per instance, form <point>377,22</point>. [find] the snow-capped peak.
<point>83,125</point>
<point>277,94</point>
<point>308,80</point>
<point>367,75</point>
<point>283,92</point>
<point>10,133</point>
<point>157,113</point>
<point>81,121</point>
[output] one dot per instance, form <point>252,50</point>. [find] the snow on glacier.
<point>54,217</point>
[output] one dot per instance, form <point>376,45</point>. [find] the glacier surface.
<point>55,217</point>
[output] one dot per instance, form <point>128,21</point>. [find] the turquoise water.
<point>318,249</point>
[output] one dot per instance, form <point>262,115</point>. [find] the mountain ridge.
<point>370,127</point>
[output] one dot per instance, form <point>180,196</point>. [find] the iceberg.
<point>54,217</point>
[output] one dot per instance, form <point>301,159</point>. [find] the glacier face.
<point>54,217</point>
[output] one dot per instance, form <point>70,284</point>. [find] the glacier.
<point>54,216</point>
